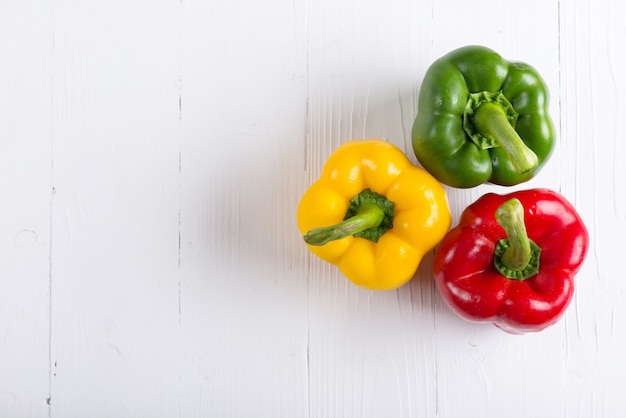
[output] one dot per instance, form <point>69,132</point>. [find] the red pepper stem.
<point>516,256</point>
<point>491,121</point>
<point>368,216</point>
<point>510,215</point>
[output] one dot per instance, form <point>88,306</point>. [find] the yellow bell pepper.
<point>373,214</point>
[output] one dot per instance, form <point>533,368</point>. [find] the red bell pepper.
<point>512,259</point>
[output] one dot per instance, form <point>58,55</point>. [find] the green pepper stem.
<point>368,216</point>
<point>491,121</point>
<point>516,257</point>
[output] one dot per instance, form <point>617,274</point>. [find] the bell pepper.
<point>482,119</point>
<point>373,214</point>
<point>512,259</point>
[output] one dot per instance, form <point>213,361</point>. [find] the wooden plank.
<point>25,187</point>
<point>593,175</point>
<point>370,353</point>
<point>115,237</point>
<point>243,288</point>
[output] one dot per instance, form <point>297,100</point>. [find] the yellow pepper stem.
<point>369,216</point>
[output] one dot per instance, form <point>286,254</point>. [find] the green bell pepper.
<point>482,119</point>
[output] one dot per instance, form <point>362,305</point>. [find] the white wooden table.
<point>152,157</point>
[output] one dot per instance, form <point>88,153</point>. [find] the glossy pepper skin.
<point>468,264</point>
<point>373,214</point>
<point>482,119</point>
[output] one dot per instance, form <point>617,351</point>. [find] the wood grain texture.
<point>153,156</point>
